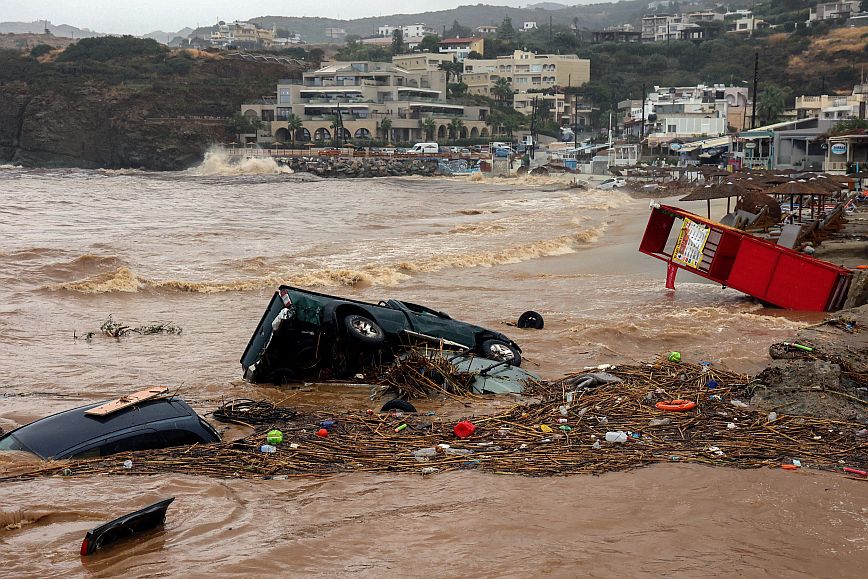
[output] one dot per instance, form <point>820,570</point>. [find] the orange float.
<point>676,405</point>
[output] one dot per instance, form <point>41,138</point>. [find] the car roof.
<point>53,434</point>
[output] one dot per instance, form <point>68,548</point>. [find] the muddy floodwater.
<point>205,249</point>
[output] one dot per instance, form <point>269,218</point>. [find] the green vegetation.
<point>397,42</point>
<point>850,127</point>
<point>40,50</point>
<point>111,47</point>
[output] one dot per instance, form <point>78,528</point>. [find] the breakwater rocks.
<point>361,167</point>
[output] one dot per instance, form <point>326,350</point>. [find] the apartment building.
<point>365,93</point>
<point>461,47</point>
<point>242,35</point>
<point>527,70</point>
<point>833,10</point>
<point>683,112</point>
<point>417,30</point>
<point>834,107</point>
<point>691,26</point>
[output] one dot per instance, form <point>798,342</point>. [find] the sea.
<point>204,250</point>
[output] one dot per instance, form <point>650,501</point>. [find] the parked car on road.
<point>157,423</point>
<point>305,334</point>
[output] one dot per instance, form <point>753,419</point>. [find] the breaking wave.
<point>218,162</point>
<point>123,279</point>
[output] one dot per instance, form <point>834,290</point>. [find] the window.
<point>283,96</point>
<point>671,128</point>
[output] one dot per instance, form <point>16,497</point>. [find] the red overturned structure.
<point>769,272</point>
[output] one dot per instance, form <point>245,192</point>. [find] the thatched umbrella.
<point>793,188</point>
<point>717,191</point>
<point>754,201</point>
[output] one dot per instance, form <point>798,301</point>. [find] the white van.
<point>424,148</point>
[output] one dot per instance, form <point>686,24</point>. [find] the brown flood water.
<point>205,250</point>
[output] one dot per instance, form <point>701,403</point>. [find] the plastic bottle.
<point>563,410</point>
<point>267,448</point>
<point>128,464</point>
<point>618,436</point>
<point>424,454</point>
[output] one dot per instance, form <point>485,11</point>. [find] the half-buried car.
<point>309,335</point>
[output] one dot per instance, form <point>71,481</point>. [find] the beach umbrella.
<point>725,190</point>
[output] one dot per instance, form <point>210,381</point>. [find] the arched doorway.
<point>463,132</point>
<point>484,132</point>
<point>322,134</point>
<point>345,135</point>
<point>251,115</point>
<point>362,133</point>
<point>281,135</point>
<point>302,135</point>
<point>441,132</point>
<point>474,133</point>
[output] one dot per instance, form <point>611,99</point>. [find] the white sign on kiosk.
<point>691,243</point>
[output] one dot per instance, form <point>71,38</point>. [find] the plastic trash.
<point>545,428</point>
<point>618,436</point>
<point>563,410</point>
<point>712,384</point>
<point>274,437</point>
<point>328,424</point>
<point>772,416</point>
<point>425,454</point>
<point>128,464</point>
<point>322,433</point>
<point>570,397</point>
<point>428,470</point>
<point>731,425</point>
<point>562,420</point>
<point>739,404</point>
<point>602,420</point>
<point>268,449</point>
<point>464,429</point>
<point>596,445</point>
<point>400,427</point>
<point>855,471</point>
<point>674,357</point>
<point>660,422</point>
<point>797,462</point>
<point>565,427</point>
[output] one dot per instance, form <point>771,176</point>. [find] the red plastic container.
<point>464,429</point>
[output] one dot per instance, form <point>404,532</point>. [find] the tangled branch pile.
<point>720,430</point>
<point>115,329</point>
<point>422,373</point>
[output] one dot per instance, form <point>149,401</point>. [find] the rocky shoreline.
<point>362,167</point>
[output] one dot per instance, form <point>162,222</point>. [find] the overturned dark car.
<point>309,335</point>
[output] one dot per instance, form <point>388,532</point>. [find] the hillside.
<point>122,102</point>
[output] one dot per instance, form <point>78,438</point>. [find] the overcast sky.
<point>143,16</point>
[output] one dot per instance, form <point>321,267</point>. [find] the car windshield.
<point>9,442</point>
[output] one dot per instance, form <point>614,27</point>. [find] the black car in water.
<point>305,334</point>
<point>157,423</point>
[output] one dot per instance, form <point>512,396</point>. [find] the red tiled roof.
<point>460,40</point>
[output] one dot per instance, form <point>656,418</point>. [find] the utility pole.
<point>550,32</point>
<point>533,127</point>
<point>755,99</point>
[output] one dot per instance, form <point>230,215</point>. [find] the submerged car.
<point>305,334</point>
<point>158,423</point>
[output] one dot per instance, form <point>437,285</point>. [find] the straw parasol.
<point>716,191</point>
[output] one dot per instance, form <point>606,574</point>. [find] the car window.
<point>141,441</point>
<point>180,437</point>
<point>12,443</point>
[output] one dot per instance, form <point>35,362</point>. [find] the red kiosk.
<point>733,258</point>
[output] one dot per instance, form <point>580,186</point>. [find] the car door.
<point>433,323</point>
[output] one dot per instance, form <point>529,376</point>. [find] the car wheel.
<point>398,404</point>
<point>530,319</point>
<point>364,330</point>
<point>501,351</point>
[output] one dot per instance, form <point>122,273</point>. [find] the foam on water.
<point>218,162</point>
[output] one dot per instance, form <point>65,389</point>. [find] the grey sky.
<point>143,16</point>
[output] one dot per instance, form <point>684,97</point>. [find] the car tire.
<point>501,351</point>
<point>398,404</point>
<point>530,319</point>
<point>364,330</point>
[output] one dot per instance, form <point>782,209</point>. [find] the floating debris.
<point>115,329</point>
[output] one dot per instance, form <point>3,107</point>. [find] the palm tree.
<point>293,123</point>
<point>430,125</point>
<point>455,126</point>
<point>386,127</point>
<point>772,103</point>
<point>502,90</point>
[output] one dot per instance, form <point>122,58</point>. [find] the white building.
<point>417,30</point>
<point>833,10</point>
<point>529,26</point>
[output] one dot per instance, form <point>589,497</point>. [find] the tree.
<point>386,127</point>
<point>502,90</point>
<point>772,102</point>
<point>458,31</point>
<point>293,124</point>
<point>473,55</point>
<point>505,31</point>
<point>397,42</point>
<point>239,124</point>
<point>455,126</point>
<point>429,43</point>
<point>430,125</point>
<point>456,90</point>
<point>452,69</point>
